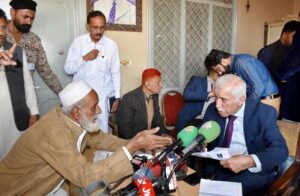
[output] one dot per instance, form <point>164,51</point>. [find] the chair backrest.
<point>172,102</point>
<point>288,182</point>
<point>291,134</point>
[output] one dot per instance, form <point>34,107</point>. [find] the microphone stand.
<point>177,163</point>
<point>164,186</point>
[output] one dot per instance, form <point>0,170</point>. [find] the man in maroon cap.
<point>139,109</point>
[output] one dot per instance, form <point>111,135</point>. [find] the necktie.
<point>148,98</point>
<point>229,130</point>
<point>112,13</point>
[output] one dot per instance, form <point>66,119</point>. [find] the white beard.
<point>90,125</point>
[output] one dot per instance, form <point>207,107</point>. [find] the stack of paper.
<point>219,188</point>
<point>219,153</point>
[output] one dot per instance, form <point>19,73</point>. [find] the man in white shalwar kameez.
<point>9,132</point>
<point>93,57</point>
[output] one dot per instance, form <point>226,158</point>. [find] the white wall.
<point>250,35</point>
<point>250,25</point>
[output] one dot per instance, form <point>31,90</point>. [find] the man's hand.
<point>33,119</point>
<point>6,56</point>
<point>147,140</point>
<point>91,55</point>
<point>115,105</point>
<point>238,163</point>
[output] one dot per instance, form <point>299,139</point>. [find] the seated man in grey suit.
<point>139,109</point>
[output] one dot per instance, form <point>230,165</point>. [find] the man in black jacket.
<point>139,109</point>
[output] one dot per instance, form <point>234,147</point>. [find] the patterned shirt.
<point>31,44</point>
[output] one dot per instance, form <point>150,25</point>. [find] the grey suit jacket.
<point>132,114</point>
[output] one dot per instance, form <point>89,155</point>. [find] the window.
<point>182,32</point>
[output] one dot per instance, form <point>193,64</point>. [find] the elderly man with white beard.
<point>49,152</point>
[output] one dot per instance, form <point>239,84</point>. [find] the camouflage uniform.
<point>31,44</point>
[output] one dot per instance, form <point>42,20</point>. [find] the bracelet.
<point>128,155</point>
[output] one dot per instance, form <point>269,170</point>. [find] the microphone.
<point>155,168</point>
<point>137,161</point>
<point>172,184</point>
<point>143,172</point>
<point>146,181</point>
<point>208,132</point>
<point>137,179</point>
<point>184,138</point>
<point>142,178</point>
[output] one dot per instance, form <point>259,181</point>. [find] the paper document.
<point>220,188</point>
<point>219,153</point>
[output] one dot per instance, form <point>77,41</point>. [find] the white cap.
<point>74,92</point>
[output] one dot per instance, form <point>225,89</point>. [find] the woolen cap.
<point>74,92</point>
<point>23,4</point>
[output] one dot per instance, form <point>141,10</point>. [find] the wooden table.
<point>187,189</point>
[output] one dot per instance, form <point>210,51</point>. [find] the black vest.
<point>15,81</point>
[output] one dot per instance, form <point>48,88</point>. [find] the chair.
<point>172,103</point>
<point>288,182</point>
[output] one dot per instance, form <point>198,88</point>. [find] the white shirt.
<point>102,73</point>
<point>9,133</point>
<point>210,84</point>
<point>238,138</point>
<point>30,95</point>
